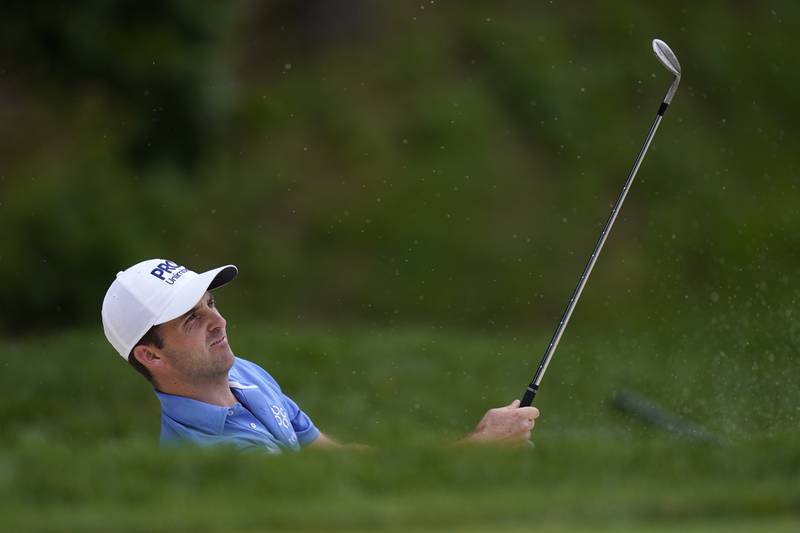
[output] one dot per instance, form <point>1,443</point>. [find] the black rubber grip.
<point>663,108</point>
<point>527,398</point>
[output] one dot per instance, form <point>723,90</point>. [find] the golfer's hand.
<point>511,424</point>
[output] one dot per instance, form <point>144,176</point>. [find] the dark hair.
<point>151,338</point>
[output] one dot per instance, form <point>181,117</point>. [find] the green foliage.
<point>401,165</point>
<point>157,62</point>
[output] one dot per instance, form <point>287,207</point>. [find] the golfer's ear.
<point>147,356</point>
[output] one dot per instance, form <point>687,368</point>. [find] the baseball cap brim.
<point>191,293</point>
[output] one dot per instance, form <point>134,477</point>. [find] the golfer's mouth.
<point>219,342</point>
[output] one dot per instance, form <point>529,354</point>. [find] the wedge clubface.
<point>670,62</point>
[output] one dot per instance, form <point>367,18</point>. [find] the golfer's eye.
<point>211,302</point>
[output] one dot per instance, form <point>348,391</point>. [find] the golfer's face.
<point>196,344</point>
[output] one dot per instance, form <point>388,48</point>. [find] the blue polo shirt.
<point>263,418</point>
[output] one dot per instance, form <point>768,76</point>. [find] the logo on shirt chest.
<point>281,416</point>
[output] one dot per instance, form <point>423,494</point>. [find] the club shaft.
<point>533,386</point>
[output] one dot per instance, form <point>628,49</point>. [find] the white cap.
<point>153,292</point>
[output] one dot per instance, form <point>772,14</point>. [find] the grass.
<point>78,447</point>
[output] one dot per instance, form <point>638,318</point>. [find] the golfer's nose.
<point>216,320</point>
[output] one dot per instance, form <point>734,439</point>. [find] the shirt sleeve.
<point>303,427</point>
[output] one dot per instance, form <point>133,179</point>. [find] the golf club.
<point>670,62</point>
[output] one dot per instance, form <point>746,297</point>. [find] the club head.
<point>667,58</point>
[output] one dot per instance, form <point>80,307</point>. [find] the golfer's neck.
<point>214,391</point>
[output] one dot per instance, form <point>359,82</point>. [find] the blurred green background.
<point>410,192</point>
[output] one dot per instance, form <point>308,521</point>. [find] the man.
<point>161,317</point>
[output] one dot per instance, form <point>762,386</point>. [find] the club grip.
<point>530,394</point>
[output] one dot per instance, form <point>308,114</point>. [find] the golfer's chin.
<point>223,350</point>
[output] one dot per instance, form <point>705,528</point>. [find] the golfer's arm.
<point>324,441</point>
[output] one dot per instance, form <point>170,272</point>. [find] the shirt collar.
<point>195,414</point>
<point>236,381</point>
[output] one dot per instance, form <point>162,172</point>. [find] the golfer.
<point>162,318</point>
